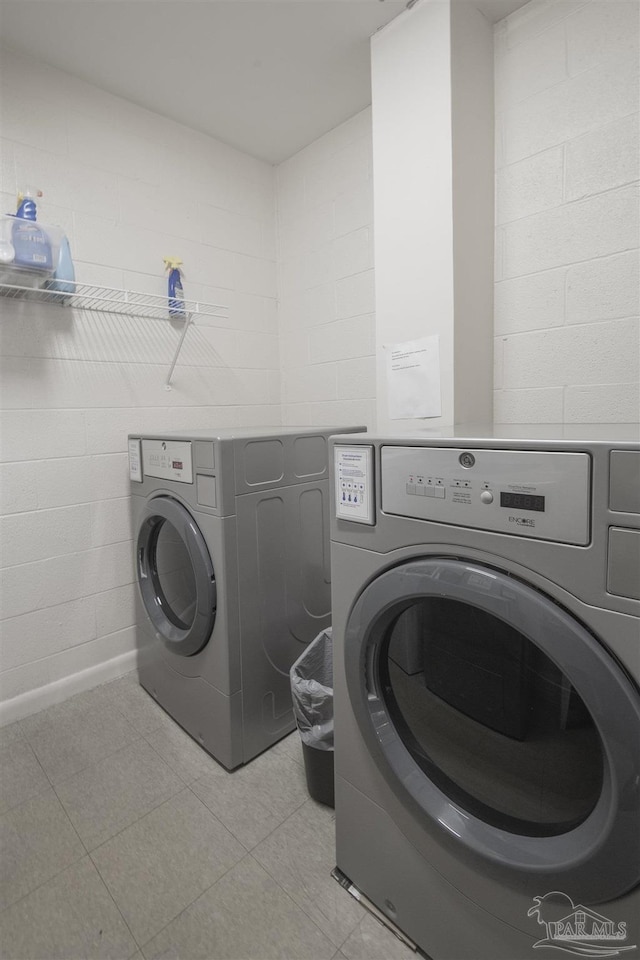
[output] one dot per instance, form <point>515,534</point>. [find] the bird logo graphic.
<point>577,929</point>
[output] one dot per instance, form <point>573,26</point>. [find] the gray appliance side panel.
<point>263,463</point>
<point>624,493</point>
<point>623,573</point>
<point>225,473</point>
<point>285,599</point>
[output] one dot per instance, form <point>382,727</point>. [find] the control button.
<point>439,492</point>
<point>421,490</point>
<point>486,496</point>
<point>411,489</point>
<point>430,491</point>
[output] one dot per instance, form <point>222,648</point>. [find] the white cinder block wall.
<point>567,268</point>
<point>566,250</point>
<point>327,319</point>
<point>128,187</point>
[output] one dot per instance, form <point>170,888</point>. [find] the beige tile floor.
<point>121,838</point>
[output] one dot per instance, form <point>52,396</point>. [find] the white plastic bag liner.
<point>312,692</point>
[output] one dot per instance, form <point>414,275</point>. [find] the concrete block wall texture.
<point>567,299</point>
<point>128,187</point>
<point>325,257</point>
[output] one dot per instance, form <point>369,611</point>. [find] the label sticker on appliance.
<point>135,461</point>
<point>354,483</point>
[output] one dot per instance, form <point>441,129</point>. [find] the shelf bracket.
<point>187,323</point>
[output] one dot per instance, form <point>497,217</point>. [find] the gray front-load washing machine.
<point>486,625</point>
<point>231,529</point>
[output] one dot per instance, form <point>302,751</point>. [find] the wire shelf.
<point>122,303</point>
<point>111,300</point>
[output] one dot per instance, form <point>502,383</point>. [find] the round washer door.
<point>176,576</point>
<point>494,713</point>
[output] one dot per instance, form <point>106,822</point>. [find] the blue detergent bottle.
<point>65,275</point>
<point>31,245</point>
<point>175,291</point>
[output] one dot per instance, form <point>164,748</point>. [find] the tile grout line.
<point>139,819</point>
<point>289,897</point>
<point>195,899</point>
<point>111,897</point>
<point>38,793</point>
<point>129,825</point>
<point>89,852</point>
<point>143,737</point>
<point>247,853</point>
<point>156,806</point>
<point>71,824</point>
<point>246,849</point>
<point>300,905</point>
<point>106,756</point>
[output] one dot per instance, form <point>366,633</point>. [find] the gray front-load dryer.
<point>231,529</point>
<point>486,625</point>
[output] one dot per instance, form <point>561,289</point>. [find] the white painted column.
<point>433,163</point>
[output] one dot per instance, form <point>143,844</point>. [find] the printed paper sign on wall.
<point>413,379</point>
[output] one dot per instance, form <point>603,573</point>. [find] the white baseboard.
<point>35,700</point>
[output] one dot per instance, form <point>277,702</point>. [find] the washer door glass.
<point>490,718</point>
<point>176,576</point>
<point>500,716</point>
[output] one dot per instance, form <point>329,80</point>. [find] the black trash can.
<point>312,695</point>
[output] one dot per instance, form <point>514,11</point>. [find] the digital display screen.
<point>522,501</point>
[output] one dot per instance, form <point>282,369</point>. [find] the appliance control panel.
<point>526,493</point>
<point>354,482</point>
<point>168,460</point>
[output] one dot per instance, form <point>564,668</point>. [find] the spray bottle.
<point>175,293</point>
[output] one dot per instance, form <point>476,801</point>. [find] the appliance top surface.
<point>468,434</point>
<point>244,433</point>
